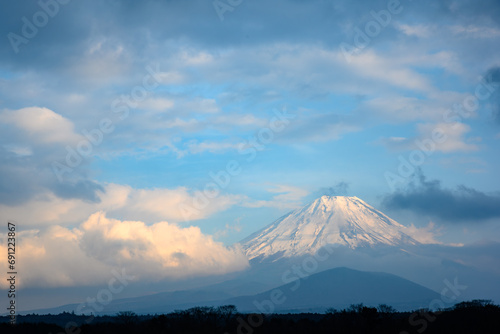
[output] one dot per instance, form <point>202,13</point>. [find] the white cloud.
<point>98,245</point>
<point>307,70</point>
<point>171,77</point>
<point>288,193</point>
<point>19,150</point>
<point>41,125</point>
<point>170,203</point>
<point>428,234</point>
<point>202,106</point>
<point>288,197</point>
<point>305,130</point>
<point>191,56</point>
<point>425,235</point>
<point>436,137</point>
<point>120,201</point>
<point>214,147</point>
<point>386,70</point>
<point>229,229</point>
<point>420,30</point>
<point>186,125</point>
<point>474,31</point>
<point>406,108</point>
<point>453,136</point>
<point>247,120</point>
<point>157,104</point>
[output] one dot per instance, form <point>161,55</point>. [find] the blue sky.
<point>298,98</point>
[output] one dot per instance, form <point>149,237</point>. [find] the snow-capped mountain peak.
<point>341,220</point>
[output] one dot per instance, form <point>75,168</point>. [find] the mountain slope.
<point>339,220</point>
<point>339,288</point>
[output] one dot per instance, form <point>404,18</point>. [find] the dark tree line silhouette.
<point>476,316</point>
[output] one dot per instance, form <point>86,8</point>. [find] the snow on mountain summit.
<point>341,220</point>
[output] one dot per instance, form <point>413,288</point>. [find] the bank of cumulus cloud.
<point>148,252</point>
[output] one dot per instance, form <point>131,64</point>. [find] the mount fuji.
<point>329,220</point>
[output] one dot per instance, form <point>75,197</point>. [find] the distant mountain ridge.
<point>338,288</point>
<point>339,220</point>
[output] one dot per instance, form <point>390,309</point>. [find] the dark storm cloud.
<point>430,198</point>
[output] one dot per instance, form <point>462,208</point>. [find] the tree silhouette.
<point>127,317</point>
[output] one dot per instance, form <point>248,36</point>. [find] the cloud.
<point>420,30</point>
<point>83,189</point>
<point>213,147</point>
<point>474,31</point>
<point>100,244</point>
<point>453,136</point>
<point>313,127</point>
<point>426,234</point>
<point>440,137</point>
<point>429,198</point>
<point>41,125</point>
<point>240,120</point>
<point>340,189</point>
<point>169,204</point>
<point>34,138</point>
<point>288,197</point>
<point>18,150</point>
<point>400,108</point>
<point>147,205</point>
<point>374,66</point>
<point>157,104</point>
<point>288,193</point>
<point>229,229</point>
<point>493,77</point>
